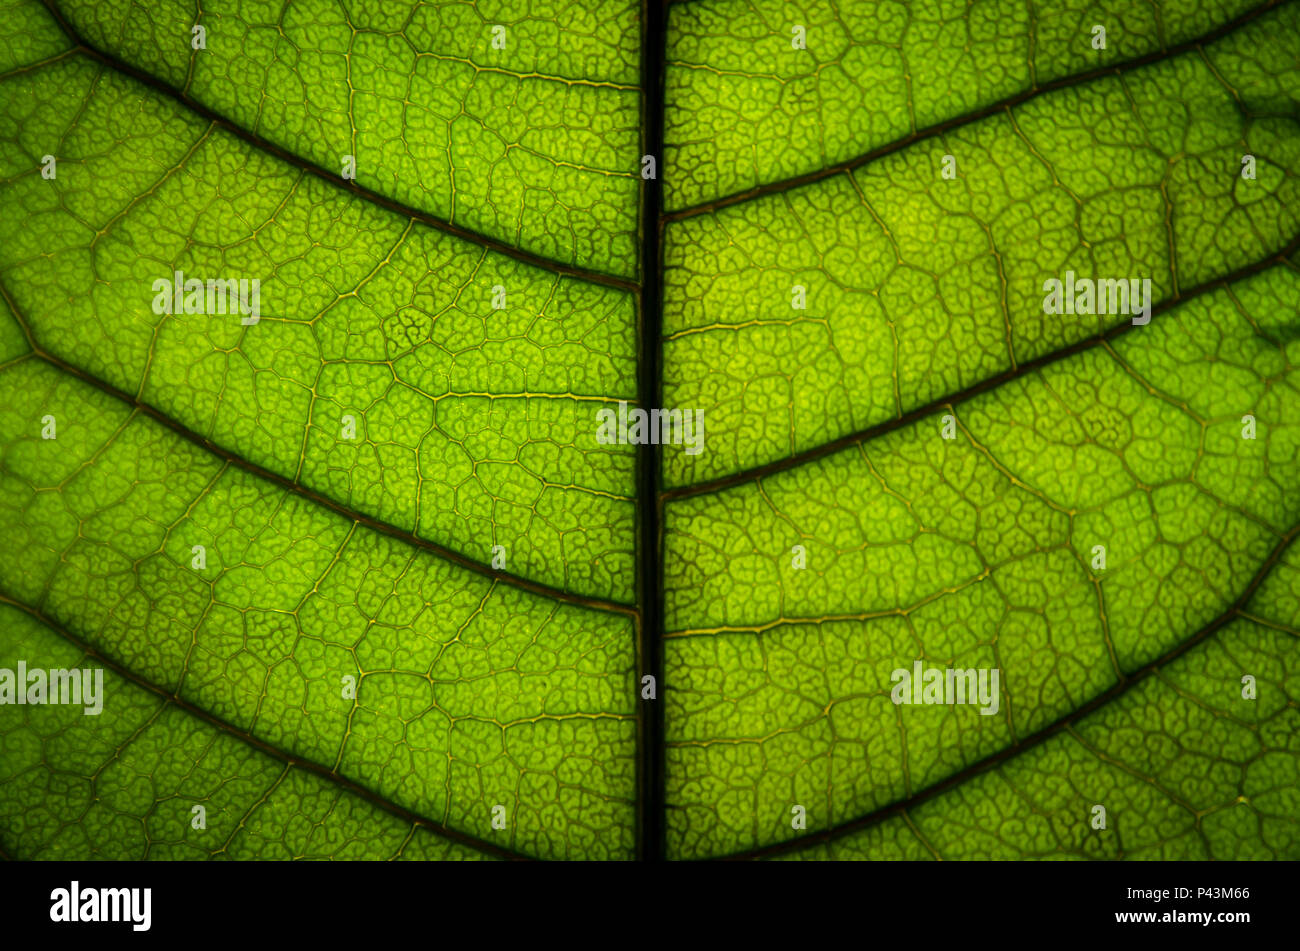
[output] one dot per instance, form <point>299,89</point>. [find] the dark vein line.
<point>302,491</point>
<point>651,825</point>
<point>39,64</point>
<point>983,386</point>
<point>297,161</point>
<point>290,760</point>
<point>956,122</point>
<point>1121,687</point>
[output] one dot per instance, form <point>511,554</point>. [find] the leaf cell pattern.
<point>363,583</point>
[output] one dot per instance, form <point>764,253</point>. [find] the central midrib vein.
<point>651,838</point>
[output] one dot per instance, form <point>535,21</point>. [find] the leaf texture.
<point>363,582</point>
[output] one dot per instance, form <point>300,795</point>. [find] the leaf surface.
<point>360,578</point>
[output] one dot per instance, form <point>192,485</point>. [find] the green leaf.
<point>359,576</point>
<point>527,145</point>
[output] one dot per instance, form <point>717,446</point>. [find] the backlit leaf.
<point>360,578</point>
